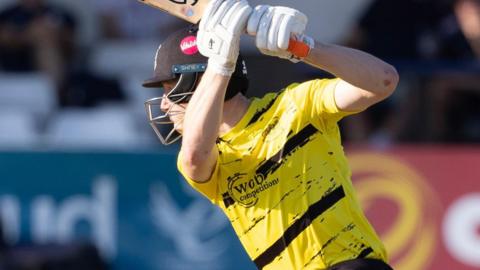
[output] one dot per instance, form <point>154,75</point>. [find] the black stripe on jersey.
<point>261,112</point>
<point>296,141</point>
<point>227,199</point>
<point>299,226</point>
<point>365,252</point>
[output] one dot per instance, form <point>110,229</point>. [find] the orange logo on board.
<point>407,207</point>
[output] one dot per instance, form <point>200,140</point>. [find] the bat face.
<point>189,10</point>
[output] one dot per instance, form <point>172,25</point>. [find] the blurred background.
<point>85,184</point>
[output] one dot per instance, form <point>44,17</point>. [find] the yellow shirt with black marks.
<point>283,180</point>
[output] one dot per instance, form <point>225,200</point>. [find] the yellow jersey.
<point>283,180</point>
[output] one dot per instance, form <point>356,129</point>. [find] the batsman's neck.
<point>233,111</point>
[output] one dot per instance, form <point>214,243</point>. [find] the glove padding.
<point>273,28</point>
<point>219,33</point>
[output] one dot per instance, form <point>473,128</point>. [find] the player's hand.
<point>219,33</point>
<point>275,26</point>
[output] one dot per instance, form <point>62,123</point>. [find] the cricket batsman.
<point>275,165</point>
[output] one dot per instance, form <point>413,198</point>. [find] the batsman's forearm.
<point>204,112</point>
<point>358,68</point>
<point>202,120</point>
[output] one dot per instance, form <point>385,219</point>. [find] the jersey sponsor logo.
<point>245,191</point>
<point>189,45</point>
<point>274,131</point>
<point>270,127</point>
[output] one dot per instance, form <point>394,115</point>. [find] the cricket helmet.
<point>178,58</point>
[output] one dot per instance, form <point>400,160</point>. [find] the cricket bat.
<point>192,10</point>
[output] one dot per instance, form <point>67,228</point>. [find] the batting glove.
<point>275,26</point>
<point>219,33</point>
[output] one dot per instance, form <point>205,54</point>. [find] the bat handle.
<point>298,48</point>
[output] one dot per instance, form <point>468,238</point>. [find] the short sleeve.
<point>208,189</point>
<point>317,99</point>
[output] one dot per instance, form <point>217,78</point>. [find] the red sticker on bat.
<point>189,45</point>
